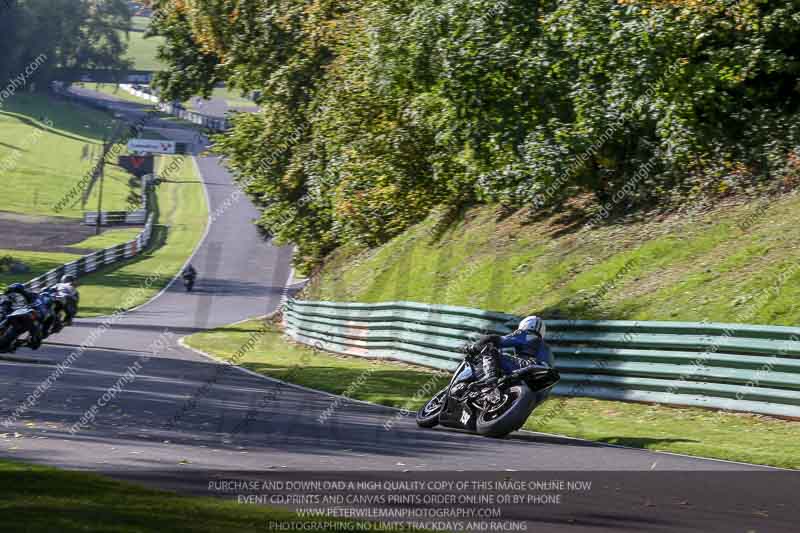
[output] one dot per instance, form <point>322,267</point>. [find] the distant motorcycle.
<point>189,274</point>
<point>492,410</point>
<point>188,282</point>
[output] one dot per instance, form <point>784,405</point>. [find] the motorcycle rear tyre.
<point>513,418</point>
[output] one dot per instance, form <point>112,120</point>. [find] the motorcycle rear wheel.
<point>428,414</point>
<point>510,415</point>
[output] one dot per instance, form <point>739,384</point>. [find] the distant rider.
<point>189,272</point>
<point>67,287</point>
<point>527,342</point>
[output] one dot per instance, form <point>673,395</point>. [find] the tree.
<point>398,106</point>
<point>66,33</point>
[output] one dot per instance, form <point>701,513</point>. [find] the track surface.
<point>185,413</point>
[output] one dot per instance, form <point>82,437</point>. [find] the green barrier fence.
<point>736,367</point>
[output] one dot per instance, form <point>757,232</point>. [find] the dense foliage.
<point>38,36</point>
<point>375,111</point>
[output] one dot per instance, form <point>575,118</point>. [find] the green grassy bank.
<point>37,499</point>
<point>141,50</point>
<point>46,149</point>
<point>735,263</point>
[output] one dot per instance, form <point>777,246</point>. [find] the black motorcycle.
<point>493,410</point>
<point>188,282</point>
<point>25,320</point>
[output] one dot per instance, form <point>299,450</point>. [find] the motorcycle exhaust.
<point>538,371</point>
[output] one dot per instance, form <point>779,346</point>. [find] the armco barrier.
<point>722,366</point>
<point>136,216</point>
<point>92,262</point>
<point>206,121</point>
<point>114,218</point>
<point>217,124</point>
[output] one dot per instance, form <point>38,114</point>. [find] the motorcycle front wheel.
<point>509,414</point>
<point>35,340</point>
<point>7,339</point>
<point>428,414</point>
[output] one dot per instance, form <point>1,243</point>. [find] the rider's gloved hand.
<point>468,349</point>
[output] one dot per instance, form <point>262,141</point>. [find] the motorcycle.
<point>188,282</point>
<point>17,323</point>
<point>490,409</point>
<point>65,305</point>
<point>6,307</point>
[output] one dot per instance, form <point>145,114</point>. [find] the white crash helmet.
<point>533,324</point>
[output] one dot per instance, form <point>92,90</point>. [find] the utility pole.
<point>108,143</point>
<point>101,164</point>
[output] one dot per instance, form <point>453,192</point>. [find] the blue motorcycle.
<point>25,326</point>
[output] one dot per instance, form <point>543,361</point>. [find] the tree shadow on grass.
<point>643,442</point>
<point>12,147</point>
<point>394,387</point>
<point>65,130</point>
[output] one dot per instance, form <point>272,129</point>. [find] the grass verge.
<point>181,216</point>
<point>731,436</point>
<point>38,499</point>
<point>143,51</point>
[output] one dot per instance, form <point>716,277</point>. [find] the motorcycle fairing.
<point>456,414</point>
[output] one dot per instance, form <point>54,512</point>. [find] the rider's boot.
<point>36,337</point>
<point>490,369</point>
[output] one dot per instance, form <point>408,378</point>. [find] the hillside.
<point>736,262</point>
<point>141,50</point>
<point>47,148</point>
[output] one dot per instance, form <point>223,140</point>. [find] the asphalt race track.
<point>186,419</point>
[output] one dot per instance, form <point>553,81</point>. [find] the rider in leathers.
<point>527,341</point>
<point>67,288</point>
<point>21,296</point>
<point>43,305</point>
